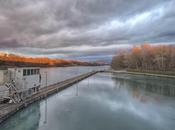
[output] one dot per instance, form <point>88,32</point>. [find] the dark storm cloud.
<point>57,27</point>
<point>9,43</point>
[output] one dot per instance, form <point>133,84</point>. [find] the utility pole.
<point>46,78</point>
<point>162,58</point>
<point>77,83</point>
<point>45,121</point>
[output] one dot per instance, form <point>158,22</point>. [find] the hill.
<point>12,60</point>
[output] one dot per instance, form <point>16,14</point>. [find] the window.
<point>28,72</point>
<point>32,71</point>
<point>24,72</point>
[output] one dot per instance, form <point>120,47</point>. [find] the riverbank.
<point>170,73</point>
<point>7,110</point>
<point>141,73</point>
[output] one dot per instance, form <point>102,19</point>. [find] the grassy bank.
<point>170,73</point>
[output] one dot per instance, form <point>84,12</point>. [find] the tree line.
<point>146,57</point>
<point>12,60</point>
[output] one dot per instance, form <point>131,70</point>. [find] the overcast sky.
<point>83,29</point>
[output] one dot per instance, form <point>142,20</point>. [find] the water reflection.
<point>104,101</point>
<point>163,86</point>
<point>27,119</point>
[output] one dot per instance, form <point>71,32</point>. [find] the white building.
<point>26,81</point>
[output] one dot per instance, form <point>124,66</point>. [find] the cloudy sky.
<point>83,29</point>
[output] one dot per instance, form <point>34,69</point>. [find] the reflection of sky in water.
<point>151,110</point>
<point>105,102</point>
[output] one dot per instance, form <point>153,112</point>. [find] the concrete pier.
<point>7,110</point>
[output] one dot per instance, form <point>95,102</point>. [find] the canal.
<point>104,101</point>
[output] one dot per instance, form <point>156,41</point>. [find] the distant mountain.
<point>12,60</point>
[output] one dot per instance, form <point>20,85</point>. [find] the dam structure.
<point>27,94</point>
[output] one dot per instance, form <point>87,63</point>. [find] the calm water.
<point>103,102</point>
<point>58,74</point>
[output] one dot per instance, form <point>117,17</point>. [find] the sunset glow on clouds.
<point>83,29</point>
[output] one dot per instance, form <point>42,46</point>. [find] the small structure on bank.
<point>16,84</point>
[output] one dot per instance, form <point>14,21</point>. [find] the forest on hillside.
<point>12,60</point>
<point>146,58</point>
